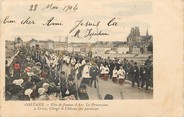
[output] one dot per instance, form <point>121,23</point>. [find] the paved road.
<point>119,92</point>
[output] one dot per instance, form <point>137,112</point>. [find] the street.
<point>118,92</point>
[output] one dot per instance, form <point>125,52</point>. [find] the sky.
<point>127,14</point>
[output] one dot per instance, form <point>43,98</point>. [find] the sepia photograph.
<point>53,69</point>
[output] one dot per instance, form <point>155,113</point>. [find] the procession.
<point>38,74</point>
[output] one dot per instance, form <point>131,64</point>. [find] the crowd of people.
<point>40,75</point>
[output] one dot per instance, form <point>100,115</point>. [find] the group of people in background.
<point>41,75</point>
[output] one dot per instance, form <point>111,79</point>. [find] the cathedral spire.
<point>147,32</point>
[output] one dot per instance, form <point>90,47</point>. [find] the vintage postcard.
<point>91,58</point>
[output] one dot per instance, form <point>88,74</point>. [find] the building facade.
<point>138,43</point>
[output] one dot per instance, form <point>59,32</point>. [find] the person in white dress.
<point>121,76</point>
<point>86,78</point>
<point>114,75</point>
<point>106,73</point>
<point>101,70</point>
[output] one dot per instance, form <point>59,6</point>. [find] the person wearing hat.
<point>135,75</point>
<point>111,68</point>
<point>42,61</point>
<point>18,82</point>
<point>94,72</point>
<point>121,75</point>
<point>86,78</point>
<point>108,97</point>
<point>28,93</point>
<point>45,86</point>
<point>129,71</point>
<point>42,94</point>
<point>72,86</point>
<point>63,84</point>
<point>83,95</point>
<point>144,74</point>
<point>36,70</point>
<point>126,67</point>
<point>53,89</point>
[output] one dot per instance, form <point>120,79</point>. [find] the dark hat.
<point>70,77</point>
<point>83,86</point>
<point>108,97</point>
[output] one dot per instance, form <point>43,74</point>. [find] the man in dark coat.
<point>130,73</point>
<point>72,86</point>
<point>111,68</point>
<point>126,68</point>
<point>83,95</point>
<point>94,72</point>
<point>135,74</point>
<point>144,76</point>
